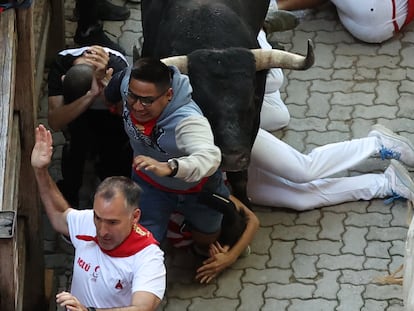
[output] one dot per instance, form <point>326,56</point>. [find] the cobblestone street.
<point>325,259</point>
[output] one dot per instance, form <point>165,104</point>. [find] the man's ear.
<point>62,77</point>
<point>136,214</point>
<point>170,93</point>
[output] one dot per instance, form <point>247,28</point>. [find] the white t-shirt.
<point>102,281</point>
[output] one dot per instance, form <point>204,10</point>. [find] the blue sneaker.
<point>400,182</point>
<point>393,146</point>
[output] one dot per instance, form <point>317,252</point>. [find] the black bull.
<point>216,37</point>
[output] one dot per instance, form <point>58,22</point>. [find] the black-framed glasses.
<point>145,101</point>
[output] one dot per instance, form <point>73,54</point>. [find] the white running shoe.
<point>393,146</point>
<point>400,182</point>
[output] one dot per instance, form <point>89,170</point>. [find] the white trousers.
<point>281,176</point>
<point>371,21</point>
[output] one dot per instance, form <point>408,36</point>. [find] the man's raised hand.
<point>42,150</point>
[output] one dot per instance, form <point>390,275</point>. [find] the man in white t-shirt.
<point>117,261</point>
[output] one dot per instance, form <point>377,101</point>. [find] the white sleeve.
<point>151,273</point>
<point>195,138</point>
<point>80,222</point>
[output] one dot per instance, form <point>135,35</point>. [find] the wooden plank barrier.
<point>9,291</point>
<point>23,51</point>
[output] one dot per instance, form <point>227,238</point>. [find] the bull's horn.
<point>178,61</point>
<point>266,59</point>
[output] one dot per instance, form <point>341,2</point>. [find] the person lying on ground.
<point>369,21</point>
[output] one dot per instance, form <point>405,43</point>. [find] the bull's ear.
<point>266,59</point>
<point>181,62</point>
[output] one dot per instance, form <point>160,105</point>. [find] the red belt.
<point>197,188</point>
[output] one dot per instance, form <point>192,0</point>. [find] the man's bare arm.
<point>55,204</point>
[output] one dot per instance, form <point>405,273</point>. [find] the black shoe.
<point>96,35</point>
<point>134,1</point>
<point>111,12</point>
<point>107,12</point>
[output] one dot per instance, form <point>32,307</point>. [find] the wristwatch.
<point>173,165</point>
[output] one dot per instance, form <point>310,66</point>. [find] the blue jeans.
<point>157,205</point>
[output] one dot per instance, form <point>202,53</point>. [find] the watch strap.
<point>173,164</point>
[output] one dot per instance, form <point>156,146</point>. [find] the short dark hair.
<point>110,186</point>
<point>152,70</point>
<point>77,82</point>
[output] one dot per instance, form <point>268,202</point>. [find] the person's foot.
<point>95,35</point>
<point>107,11</point>
<point>134,1</point>
<point>392,145</point>
<point>400,182</point>
<point>111,12</point>
<point>280,21</point>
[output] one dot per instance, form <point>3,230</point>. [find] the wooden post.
<point>8,256</point>
<point>41,24</point>
<point>26,104</point>
<point>8,281</point>
<point>56,40</point>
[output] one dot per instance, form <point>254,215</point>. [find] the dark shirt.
<point>63,63</point>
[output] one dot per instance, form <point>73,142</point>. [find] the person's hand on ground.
<point>220,258</point>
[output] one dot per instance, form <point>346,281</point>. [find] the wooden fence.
<point>25,41</point>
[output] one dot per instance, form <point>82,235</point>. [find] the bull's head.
<point>229,86</point>
<point>265,59</point>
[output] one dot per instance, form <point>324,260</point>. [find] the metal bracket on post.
<point>7,224</point>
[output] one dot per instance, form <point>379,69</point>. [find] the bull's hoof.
<point>280,21</point>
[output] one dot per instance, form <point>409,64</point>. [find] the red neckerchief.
<point>148,126</point>
<point>138,239</point>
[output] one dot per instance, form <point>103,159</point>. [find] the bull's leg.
<point>238,183</point>
<point>280,21</point>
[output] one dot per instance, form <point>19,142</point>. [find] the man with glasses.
<point>174,153</point>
